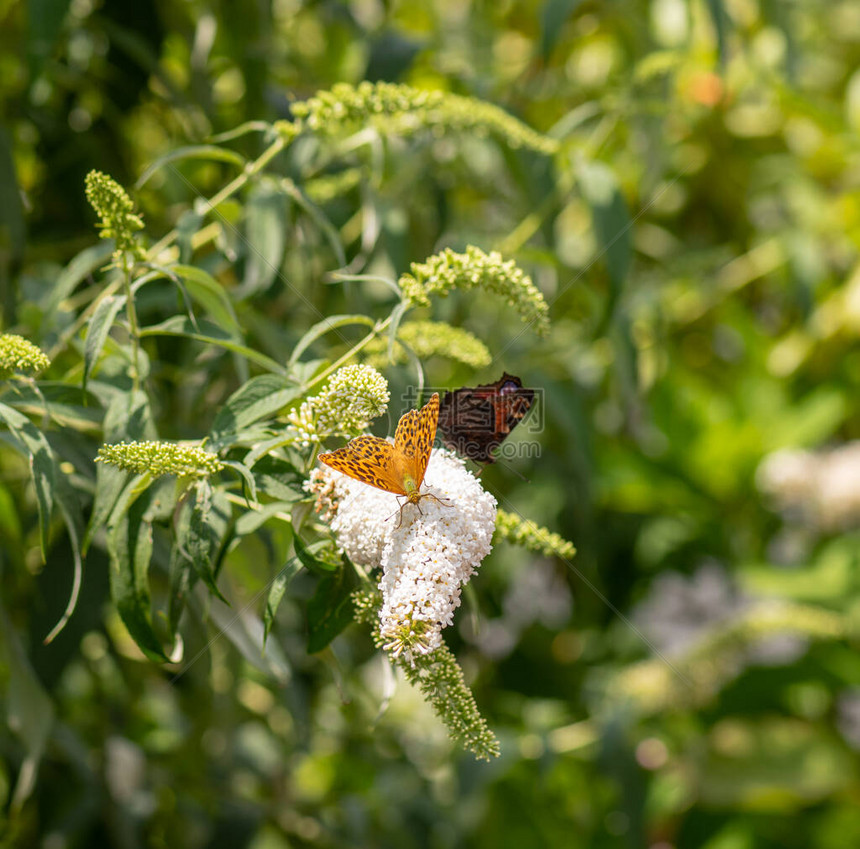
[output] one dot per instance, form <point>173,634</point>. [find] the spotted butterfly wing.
<point>475,420</point>
<point>370,460</point>
<point>397,467</point>
<point>414,437</point>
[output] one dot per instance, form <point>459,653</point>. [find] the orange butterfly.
<point>398,467</point>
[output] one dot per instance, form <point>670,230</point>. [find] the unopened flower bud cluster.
<point>160,458</point>
<point>448,270</point>
<point>353,397</point>
<point>18,354</point>
<point>404,110</point>
<point>427,339</point>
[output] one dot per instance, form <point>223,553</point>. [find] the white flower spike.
<point>427,559</point>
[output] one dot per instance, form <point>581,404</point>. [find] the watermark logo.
<point>503,424</point>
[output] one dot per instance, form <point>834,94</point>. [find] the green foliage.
<point>671,183</point>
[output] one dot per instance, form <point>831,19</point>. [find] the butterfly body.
<point>396,467</point>
<point>476,420</point>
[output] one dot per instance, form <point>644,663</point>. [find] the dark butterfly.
<point>475,420</point>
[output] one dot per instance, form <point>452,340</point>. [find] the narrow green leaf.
<point>319,557</point>
<point>44,22</point>
<point>85,263</point>
<point>70,509</point>
<point>196,151</point>
<point>330,610</point>
<point>33,441</point>
<point>253,520</point>
<point>29,708</point>
<point>320,219</point>
<point>246,476</point>
<point>198,537</point>
<point>98,329</point>
<point>241,130</point>
<point>260,397</point>
<point>276,593</point>
<point>130,550</point>
<point>326,326</point>
<point>265,238</point>
<point>12,222</point>
<point>553,17</point>
<point>210,294</point>
<point>210,334</point>
<point>611,221</point>
<point>396,317</point>
<point>721,25</point>
<point>181,580</point>
<point>128,417</point>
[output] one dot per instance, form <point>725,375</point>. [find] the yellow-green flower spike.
<point>531,536</point>
<point>160,458</point>
<point>448,270</point>
<point>439,678</point>
<point>19,354</point>
<point>403,110</point>
<point>116,211</point>
<point>431,338</point>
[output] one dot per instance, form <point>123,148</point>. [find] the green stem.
<point>348,355</point>
<point>134,330</point>
<point>230,189</point>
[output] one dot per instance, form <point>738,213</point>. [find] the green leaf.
<point>70,509</point>
<point>253,520</point>
<point>128,418</point>
<point>321,220</point>
<point>246,476</point>
<point>210,152</point>
<point>210,334</point>
<point>325,326</point>
<point>279,479</point>
<point>12,226</point>
<point>98,329</point>
<point>555,13</point>
<point>611,221</point>
<point>276,593</point>
<point>330,610</point>
<point>318,557</point>
<point>721,25</point>
<point>85,263</point>
<point>130,550</point>
<point>181,580</point>
<point>62,401</point>
<point>44,22</point>
<point>33,441</point>
<point>265,237</point>
<point>259,398</point>
<point>29,709</point>
<point>210,294</point>
<point>200,532</point>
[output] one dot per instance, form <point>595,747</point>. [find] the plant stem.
<point>134,330</point>
<point>230,189</point>
<point>349,354</point>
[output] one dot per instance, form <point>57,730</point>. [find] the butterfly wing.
<point>370,460</point>
<point>414,437</point>
<point>467,422</point>
<point>474,420</point>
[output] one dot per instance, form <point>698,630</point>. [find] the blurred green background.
<point>691,678</point>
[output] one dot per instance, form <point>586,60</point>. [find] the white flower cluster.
<point>353,397</point>
<point>427,558</point>
<point>819,488</point>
